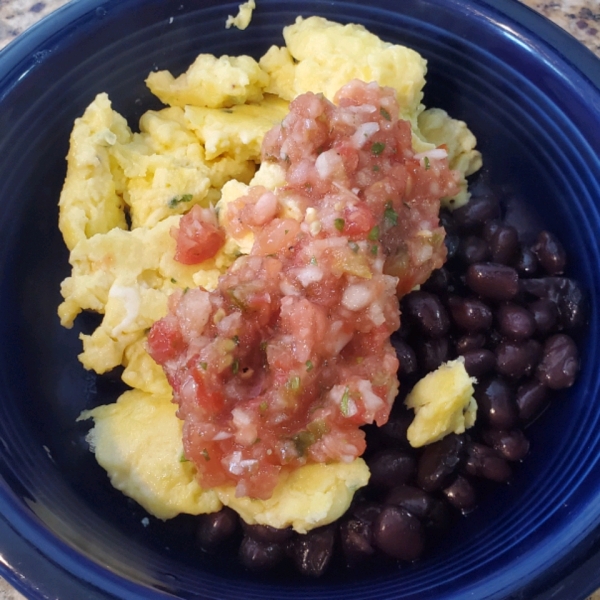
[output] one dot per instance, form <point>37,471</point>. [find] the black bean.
<point>312,551</point>
<point>470,341</point>
<point>413,499</point>
<point>517,359</point>
<point>473,249</point>
<point>398,533</point>
<point>515,321</point>
<point>470,313</point>
<point>447,221</point>
<point>545,314</point>
<point>550,253</point>
<point>452,242</point>
<point>541,287</point>
<point>393,433</point>
<point>356,540</point>
<point>258,556</point>
<point>427,312</point>
<point>560,362</point>
<point>476,212</point>
<point>490,228</point>
<point>406,356</point>
<point>461,494</point>
<point>439,517</point>
<point>390,468</point>
<point>479,362</point>
<point>509,444</point>
<point>366,511</point>
<point>482,461</point>
<point>267,534</point>
<point>504,245</point>
<point>215,528</point>
<point>571,304</point>
<point>565,293</point>
<point>527,262</point>
<point>530,397</point>
<point>438,282</point>
<point>493,281</point>
<point>495,403</point>
<point>431,353</point>
<point>439,461</point>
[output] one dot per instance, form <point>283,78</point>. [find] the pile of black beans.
<point>502,303</point>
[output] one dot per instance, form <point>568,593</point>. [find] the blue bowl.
<point>531,95</point>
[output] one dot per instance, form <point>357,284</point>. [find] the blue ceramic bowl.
<point>531,95</point>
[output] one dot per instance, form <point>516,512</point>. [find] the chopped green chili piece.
<point>339,224</point>
<point>235,367</point>
<point>390,214</point>
<point>374,233</point>
<point>426,162</point>
<point>354,246</point>
<point>385,114</point>
<point>377,148</point>
<point>309,365</point>
<point>313,260</point>
<point>344,402</point>
<point>303,440</point>
<point>204,365</point>
<point>175,200</point>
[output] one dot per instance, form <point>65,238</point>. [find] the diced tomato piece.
<point>198,237</point>
<point>165,340</point>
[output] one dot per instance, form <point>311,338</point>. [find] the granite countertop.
<point>581,18</point>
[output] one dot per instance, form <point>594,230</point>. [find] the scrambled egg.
<point>244,16</point>
<point>138,440</point>
<point>443,403</point>
<point>124,194</point>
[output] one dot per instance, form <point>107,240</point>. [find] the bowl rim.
<point>13,58</point>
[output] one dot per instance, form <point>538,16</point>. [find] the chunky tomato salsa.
<point>284,362</point>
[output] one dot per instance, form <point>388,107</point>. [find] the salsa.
<point>284,362</point>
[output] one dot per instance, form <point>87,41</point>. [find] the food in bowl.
<point>140,263</point>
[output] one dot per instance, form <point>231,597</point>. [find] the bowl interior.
<point>537,121</point>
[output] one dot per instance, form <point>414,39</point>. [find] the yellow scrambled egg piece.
<point>322,56</point>
<point>244,16</point>
<point>212,82</point>
<point>91,199</point>
<point>237,131</point>
<point>138,440</point>
<point>443,403</point>
<point>309,497</point>
<point>438,128</point>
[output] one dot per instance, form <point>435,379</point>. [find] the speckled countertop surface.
<point>581,18</point>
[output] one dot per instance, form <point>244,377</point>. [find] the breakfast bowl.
<point>531,96</point>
